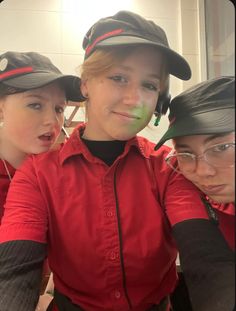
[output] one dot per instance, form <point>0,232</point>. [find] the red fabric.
<point>4,184</point>
<point>115,32</point>
<point>72,200</point>
<point>15,72</point>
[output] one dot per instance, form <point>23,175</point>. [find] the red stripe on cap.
<point>104,36</point>
<point>15,72</point>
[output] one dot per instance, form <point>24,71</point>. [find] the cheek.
<point>148,110</point>
<point>20,129</point>
<point>18,124</point>
<point>230,177</point>
<point>61,119</point>
<point>190,177</point>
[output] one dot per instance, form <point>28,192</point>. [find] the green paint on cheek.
<point>144,114</point>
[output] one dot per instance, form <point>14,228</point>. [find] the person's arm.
<point>23,240</point>
<point>208,265</point>
<point>206,260</point>
<point>21,265</point>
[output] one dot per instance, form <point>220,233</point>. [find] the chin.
<point>123,137</point>
<point>223,199</point>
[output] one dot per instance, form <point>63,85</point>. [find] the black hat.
<point>207,108</point>
<point>31,70</point>
<point>128,28</point>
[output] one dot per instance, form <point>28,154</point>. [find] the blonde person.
<point>33,96</point>
<point>110,208</point>
<point>202,128</point>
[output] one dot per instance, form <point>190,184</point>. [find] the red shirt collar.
<point>75,146</point>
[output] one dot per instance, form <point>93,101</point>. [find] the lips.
<point>47,138</point>
<point>127,115</point>
<point>213,189</point>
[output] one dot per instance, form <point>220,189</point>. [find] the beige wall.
<point>56,28</point>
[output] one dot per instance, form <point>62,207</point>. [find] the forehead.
<point>147,59</point>
<point>195,141</point>
<point>148,53</point>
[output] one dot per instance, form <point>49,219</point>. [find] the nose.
<point>51,117</point>
<point>203,168</point>
<point>132,95</point>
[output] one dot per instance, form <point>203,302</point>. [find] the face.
<point>122,100</point>
<point>32,119</point>
<point>216,182</point>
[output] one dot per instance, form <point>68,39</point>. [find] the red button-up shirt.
<point>109,240</point>
<point>4,184</point>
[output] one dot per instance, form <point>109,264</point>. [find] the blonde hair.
<point>103,59</point>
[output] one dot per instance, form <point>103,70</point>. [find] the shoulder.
<point>148,147</point>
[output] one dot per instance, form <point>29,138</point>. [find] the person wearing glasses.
<point>202,128</point>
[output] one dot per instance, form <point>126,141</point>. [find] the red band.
<point>106,35</point>
<point>15,72</point>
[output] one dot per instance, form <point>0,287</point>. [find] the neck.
<point>11,153</point>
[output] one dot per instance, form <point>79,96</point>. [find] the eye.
<point>220,148</point>
<point>118,78</point>
<point>60,109</point>
<point>185,156</point>
<point>150,86</point>
<point>36,106</point>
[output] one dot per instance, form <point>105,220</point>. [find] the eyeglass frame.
<point>173,154</point>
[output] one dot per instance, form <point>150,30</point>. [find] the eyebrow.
<point>206,140</point>
<point>215,136</point>
<point>151,75</point>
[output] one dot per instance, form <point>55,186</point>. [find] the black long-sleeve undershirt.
<point>21,264</point>
<point>208,265</point>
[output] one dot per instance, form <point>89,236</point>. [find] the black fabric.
<point>64,304</point>
<point>180,297</point>
<point>107,151</point>
<point>21,264</point>
<point>208,265</point>
<point>50,306</point>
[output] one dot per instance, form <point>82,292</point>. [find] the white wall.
<point>56,28</point>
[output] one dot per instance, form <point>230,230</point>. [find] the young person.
<point>33,96</point>
<point>105,213</point>
<point>202,127</point>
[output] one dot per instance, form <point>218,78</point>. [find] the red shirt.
<point>109,241</point>
<point>4,184</point>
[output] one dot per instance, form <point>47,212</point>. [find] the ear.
<point>84,88</point>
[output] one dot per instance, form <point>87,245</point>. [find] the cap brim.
<point>39,79</point>
<point>212,122</point>
<point>177,65</point>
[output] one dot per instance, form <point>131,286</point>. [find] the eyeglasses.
<point>220,155</point>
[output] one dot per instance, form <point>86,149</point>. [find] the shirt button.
<point>113,255</point>
<point>117,294</point>
<point>109,213</point>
